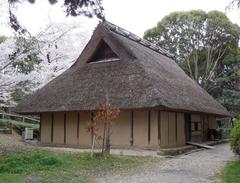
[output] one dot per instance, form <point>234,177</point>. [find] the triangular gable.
<point>100,35</point>
<point>103,52</point>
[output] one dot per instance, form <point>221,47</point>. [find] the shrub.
<point>235,138</point>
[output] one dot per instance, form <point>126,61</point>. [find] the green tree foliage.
<point>21,90</point>
<point>205,45</point>
<point>226,87</point>
<point>235,138</point>
<point>198,40</point>
<point>26,55</point>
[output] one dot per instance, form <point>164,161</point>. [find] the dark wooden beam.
<point>78,125</point>
<point>65,118</point>
<point>40,128</point>
<point>202,123</point>
<point>168,128</point>
<point>52,116</point>
<point>190,128</point>
<point>131,128</point>
<point>176,126</point>
<point>159,127</point>
<point>149,127</point>
<point>92,115</point>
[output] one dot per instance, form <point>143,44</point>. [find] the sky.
<point>133,15</point>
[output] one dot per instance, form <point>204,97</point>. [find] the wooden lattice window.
<point>196,126</point>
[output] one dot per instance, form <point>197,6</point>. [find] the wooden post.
<point>92,122</point>
<point>52,128</point>
<point>149,127</point>
<point>78,124</point>
<point>40,128</point>
<point>64,123</point>
<point>159,127</point>
<point>176,126</point>
<point>168,128</point>
<point>131,128</point>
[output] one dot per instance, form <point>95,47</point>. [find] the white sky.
<point>133,15</point>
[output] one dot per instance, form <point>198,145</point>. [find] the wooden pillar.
<point>176,127</point>
<point>159,127</point>
<point>164,129</point>
<point>40,128</point>
<point>64,126</point>
<point>52,116</point>
<point>78,125</point>
<point>149,127</point>
<point>168,128</point>
<point>131,128</point>
<point>91,123</point>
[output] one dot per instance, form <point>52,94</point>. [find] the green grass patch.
<point>30,162</point>
<point>44,166</point>
<point>231,172</point>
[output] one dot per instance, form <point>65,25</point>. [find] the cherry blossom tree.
<point>30,62</point>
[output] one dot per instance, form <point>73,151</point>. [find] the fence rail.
<point>19,117</point>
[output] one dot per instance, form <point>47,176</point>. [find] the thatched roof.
<point>144,76</point>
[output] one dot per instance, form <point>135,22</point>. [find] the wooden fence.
<point>19,118</point>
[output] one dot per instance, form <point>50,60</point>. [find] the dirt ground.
<point>11,143</point>
<point>201,167</point>
<point>125,152</point>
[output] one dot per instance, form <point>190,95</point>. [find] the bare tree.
<point>88,8</point>
<point>106,116</point>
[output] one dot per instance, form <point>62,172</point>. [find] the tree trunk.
<point>107,149</point>
<point>104,138</point>
<point>93,144</point>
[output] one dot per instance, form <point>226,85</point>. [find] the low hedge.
<point>235,138</point>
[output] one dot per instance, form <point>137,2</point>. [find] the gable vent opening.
<point>103,53</point>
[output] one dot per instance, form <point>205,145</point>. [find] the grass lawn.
<point>231,172</point>
<point>44,166</point>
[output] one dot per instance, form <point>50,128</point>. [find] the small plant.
<point>106,115</point>
<point>235,138</point>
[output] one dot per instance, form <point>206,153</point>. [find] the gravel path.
<point>126,152</point>
<point>200,167</point>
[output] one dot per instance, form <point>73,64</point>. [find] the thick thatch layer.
<point>141,78</point>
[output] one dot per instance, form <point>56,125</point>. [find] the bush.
<point>235,138</point>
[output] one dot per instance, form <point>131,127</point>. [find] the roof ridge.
<point>129,35</point>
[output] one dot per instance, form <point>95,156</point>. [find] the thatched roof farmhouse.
<point>153,93</point>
